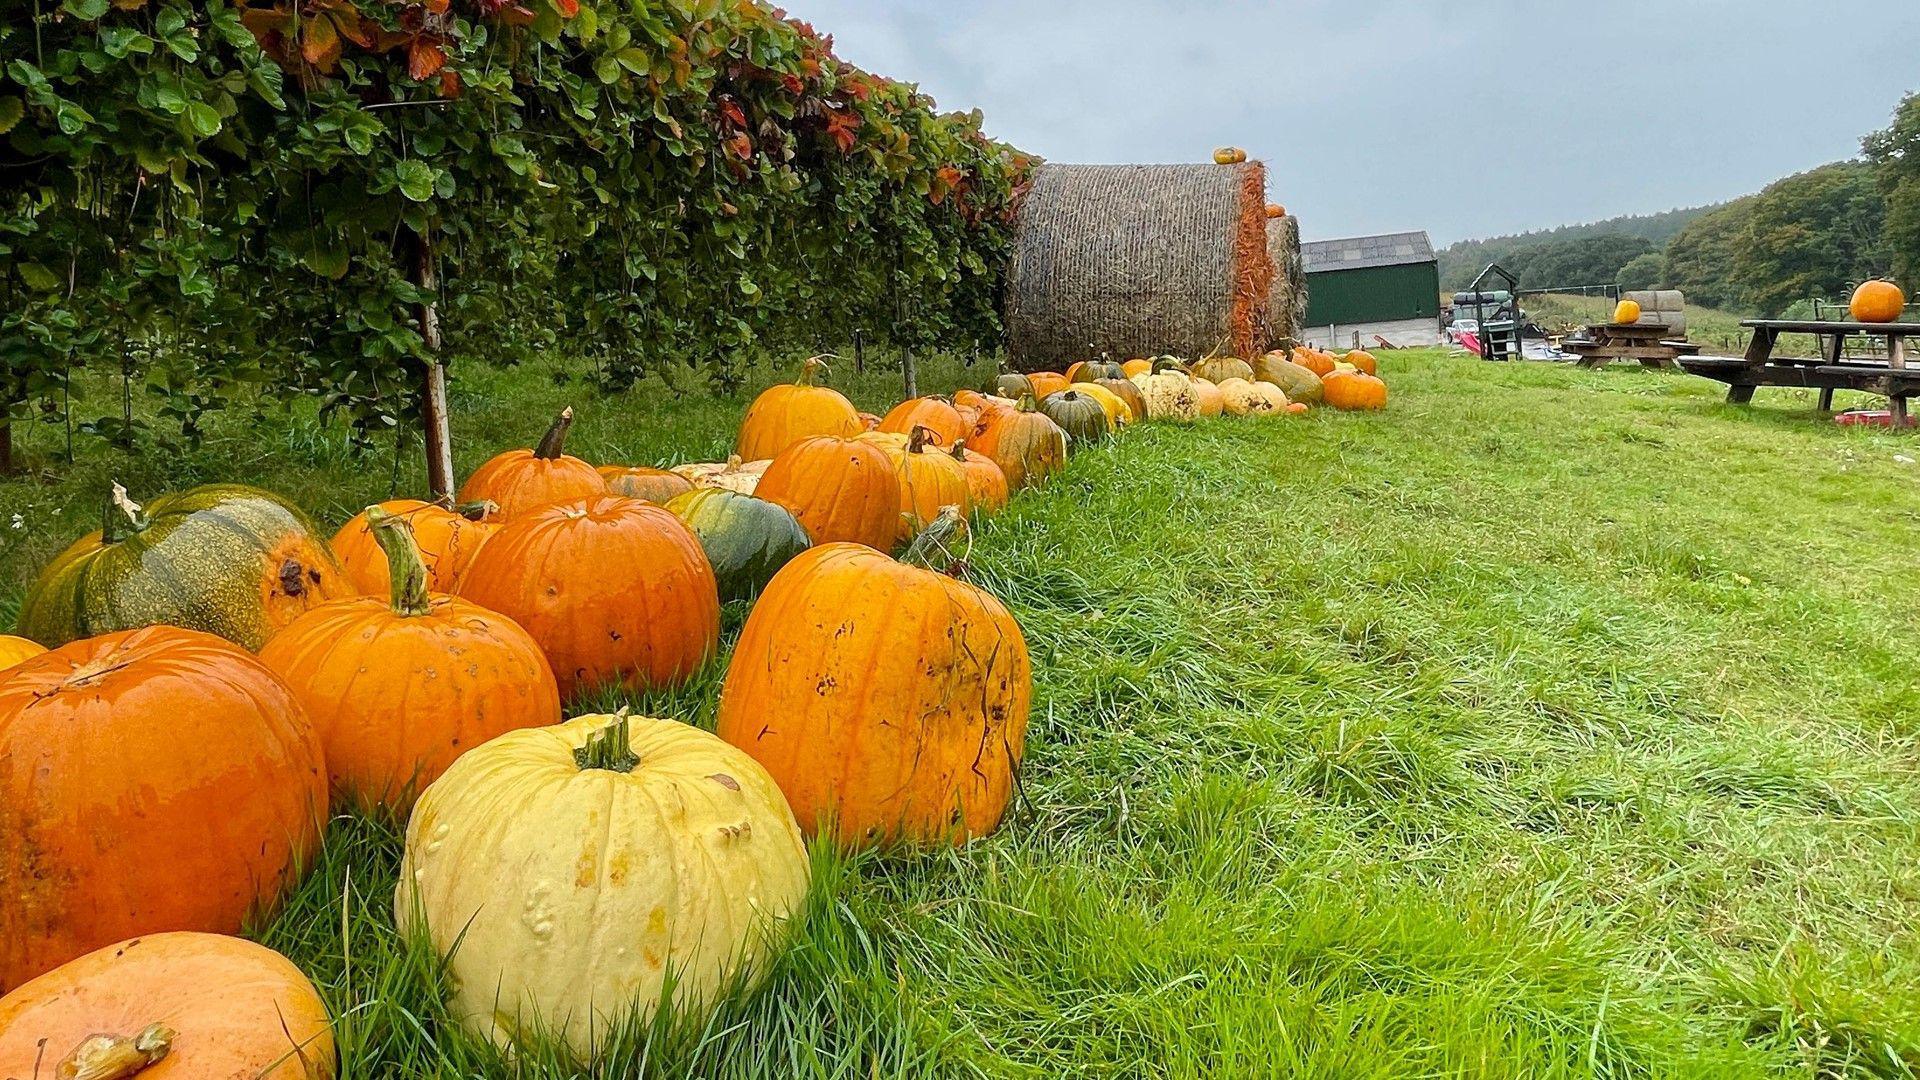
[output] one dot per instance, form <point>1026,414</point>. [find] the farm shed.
<point>1373,285</point>
<point>1135,260</point>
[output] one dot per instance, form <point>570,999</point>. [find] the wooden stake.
<point>433,399</point>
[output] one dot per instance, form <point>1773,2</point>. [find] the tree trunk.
<point>6,446</point>
<point>433,398</point>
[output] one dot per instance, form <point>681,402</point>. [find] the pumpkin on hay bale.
<point>1137,260</point>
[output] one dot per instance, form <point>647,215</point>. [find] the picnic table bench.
<point>1644,342</point>
<point>1830,371</point>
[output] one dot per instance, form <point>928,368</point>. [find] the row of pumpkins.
<point>219,675</point>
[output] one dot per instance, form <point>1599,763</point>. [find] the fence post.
<point>433,400</point>
<point>859,351</point>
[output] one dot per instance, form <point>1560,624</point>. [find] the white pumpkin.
<point>731,474</point>
<point>565,871</point>
<point>1169,394</point>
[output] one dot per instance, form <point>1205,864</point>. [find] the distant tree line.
<point>1815,234</point>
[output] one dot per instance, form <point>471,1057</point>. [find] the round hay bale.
<point>1287,306</point>
<point>1139,260</point>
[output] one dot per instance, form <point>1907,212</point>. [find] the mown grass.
<point>1553,723</point>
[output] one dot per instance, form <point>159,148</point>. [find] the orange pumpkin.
<point>522,480</point>
<point>189,1005</point>
<point>888,701</point>
<point>1313,360</point>
<point>154,779</point>
<point>1355,390</point>
<point>1047,382</point>
<point>448,540</point>
<point>1229,155</point>
<point>17,650</point>
<point>1137,367</point>
<point>1026,445</point>
<point>1208,397</point>
<point>784,415</point>
<point>929,482</point>
<point>1364,360</point>
<point>657,486</point>
<point>986,481</point>
<point>1626,312</point>
<point>937,416</point>
<point>1878,302</point>
<point>1275,211</point>
<point>611,588</point>
<point>868,421</point>
<point>399,687</point>
<point>840,489</point>
<point>1129,394</point>
<point>731,474</point>
<point>1296,408</point>
<point>970,399</point>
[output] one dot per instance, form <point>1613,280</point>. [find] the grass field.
<point>1552,723</point>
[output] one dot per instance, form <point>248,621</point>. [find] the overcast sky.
<point>1466,118</point>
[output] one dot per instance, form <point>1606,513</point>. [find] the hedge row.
<point>208,194</point>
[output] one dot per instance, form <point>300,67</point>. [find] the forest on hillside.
<point>1814,234</point>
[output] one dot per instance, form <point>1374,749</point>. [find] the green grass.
<point>1552,723</point>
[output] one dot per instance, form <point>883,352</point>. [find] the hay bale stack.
<point>1287,311</point>
<point>1138,260</point>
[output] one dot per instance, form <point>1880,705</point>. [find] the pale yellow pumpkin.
<point>1274,395</point>
<point>1241,398</point>
<point>1169,395</point>
<point>1119,413</point>
<point>731,475</point>
<point>576,866</point>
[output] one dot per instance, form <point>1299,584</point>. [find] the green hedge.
<point>204,196</point>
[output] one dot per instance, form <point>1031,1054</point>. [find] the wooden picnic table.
<point>1830,371</point>
<point>1645,342</point>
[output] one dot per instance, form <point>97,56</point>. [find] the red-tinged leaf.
<point>266,24</point>
<point>843,128</point>
<point>353,26</point>
<point>567,8</point>
<point>741,146</point>
<point>438,7</point>
<point>425,58</point>
<point>450,84</point>
<point>793,84</point>
<point>731,112</point>
<point>320,43</point>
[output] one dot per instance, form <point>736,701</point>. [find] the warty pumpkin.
<point>889,701</point>
<point>1355,390</point>
<point>227,559</point>
<point>1025,443</point>
<point>840,489</point>
<point>1877,302</point>
<point>448,538</point>
<point>746,539</point>
<point>182,1004</point>
<point>986,482</point>
<point>611,588</point>
<point>936,415</point>
<point>400,686</point>
<point>731,474</point>
<point>156,779</point>
<point>1274,395</point>
<point>1298,383</point>
<point>521,480</point>
<point>1218,369</point>
<point>1168,393</point>
<point>929,480</point>
<point>1206,396</point>
<point>784,415</point>
<point>568,873</point>
<point>657,486</point>
<point>17,650</point>
<point>1239,398</point>
<point>1079,415</point>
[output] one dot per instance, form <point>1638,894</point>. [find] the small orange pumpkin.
<point>1878,302</point>
<point>398,687</point>
<point>1026,445</point>
<point>448,540</point>
<point>1296,407</point>
<point>609,587</point>
<point>1044,383</point>
<point>522,480</point>
<point>657,486</point>
<point>929,481</point>
<point>1355,389</point>
<point>1137,367</point>
<point>938,416</point>
<point>784,415</point>
<point>1364,360</point>
<point>986,481</point>
<point>842,490</point>
<point>1275,211</point>
<point>1206,394</point>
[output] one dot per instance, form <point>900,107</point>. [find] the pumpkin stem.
<point>115,1057</point>
<point>406,571</point>
<point>122,518</point>
<point>814,368</point>
<point>477,511</point>
<point>553,444</point>
<point>933,548</point>
<point>610,748</point>
<point>921,436</point>
<point>1026,402</point>
<point>960,449</point>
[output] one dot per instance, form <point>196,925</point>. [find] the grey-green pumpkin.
<point>1081,417</point>
<point>1095,370</point>
<point>1297,382</point>
<point>747,539</point>
<point>224,558</point>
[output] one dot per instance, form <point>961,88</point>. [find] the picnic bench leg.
<point>1739,394</point>
<point>1897,406</point>
<point>1826,399</point>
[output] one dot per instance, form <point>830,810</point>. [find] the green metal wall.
<point>1375,294</point>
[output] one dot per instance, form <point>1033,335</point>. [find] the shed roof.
<point>1361,252</point>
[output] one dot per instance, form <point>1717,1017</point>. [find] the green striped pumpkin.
<point>225,559</point>
<point>747,539</point>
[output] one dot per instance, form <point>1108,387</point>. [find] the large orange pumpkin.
<point>1313,360</point>
<point>1026,445</point>
<point>783,415</point>
<point>17,650</point>
<point>840,489</point>
<point>522,480</point>
<point>657,486</point>
<point>929,482</point>
<point>153,779</point>
<point>888,701</point>
<point>448,540</point>
<point>986,481</point>
<point>399,687</point>
<point>1355,390</point>
<point>169,1006</point>
<point>611,588</point>
<point>944,420</point>
<point>1878,302</point>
